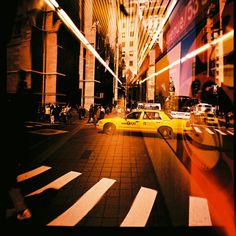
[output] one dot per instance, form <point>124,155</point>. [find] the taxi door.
<point>150,122</point>
<point>132,121</point>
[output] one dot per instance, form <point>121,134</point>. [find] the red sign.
<point>183,18</point>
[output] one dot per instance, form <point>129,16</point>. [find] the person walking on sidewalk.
<point>91,113</point>
<point>15,150</point>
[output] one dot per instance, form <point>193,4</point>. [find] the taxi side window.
<point>134,115</point>
<point>146,116</point>
<point>157,116</point>
<point>151,116</point>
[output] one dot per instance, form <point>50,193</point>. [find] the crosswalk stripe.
<point>221,132</point>
<point>197,129</point>
<point>199,212</point>
<point>78,210</point>
<point>140,209</point>
<point>29,126</point>
<point>58,183</point>
<point>209,131</point>
<point>230,132</point>
<point>32,173</point>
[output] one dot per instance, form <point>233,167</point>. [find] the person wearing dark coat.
<point>15,150</point>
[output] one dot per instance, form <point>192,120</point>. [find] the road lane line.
<point>81,208</point>
<point>58,183</point>
<point>32,173</point>
<point>221,132</point>
<point>209,131</point>
<point>199,212</point>
<point>140,209</point>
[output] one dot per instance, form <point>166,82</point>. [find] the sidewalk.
<point>40,132</point>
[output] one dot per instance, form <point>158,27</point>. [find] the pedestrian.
<point>80,112</point>
<point>97,114</point>
<point>228,117</point>
<point>102,113</point>
<point>15,151</point>
<point>52,114</point>
<point>47,112</point>
<point>91,113</point>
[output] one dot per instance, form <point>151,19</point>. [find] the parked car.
<point>147,121</point>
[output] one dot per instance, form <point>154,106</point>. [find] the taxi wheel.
<point>166,132</point>
<point>109,128</point>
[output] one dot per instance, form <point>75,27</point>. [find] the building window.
<point>123,44</point>
<point>131,53</point>
<point>131,43</point>
<point>131,63</point>
<point>131,33</point>
<point>123,35</point>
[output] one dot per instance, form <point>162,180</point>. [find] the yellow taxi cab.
<point>210,119</point>
<point>147,121</point>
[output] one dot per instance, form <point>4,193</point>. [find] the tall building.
<point>137,30</point>
<point>59,67</point>
<point>40,45</point>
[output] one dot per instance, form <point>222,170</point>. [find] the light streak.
<point>160,27</point>
<point>72,27</point>
<point>192,54</point>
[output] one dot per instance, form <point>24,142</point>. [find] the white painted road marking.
<point>220,132</point>
<point>230,132</point>
<point>81,208</point>
<point>58,183</point>
<point>32,173</point>
<point>209,131</point>
<point>199,212</point>
<point>140,209</point>
<point>197,129</point>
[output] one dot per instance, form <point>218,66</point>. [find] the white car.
<point>203,107</point>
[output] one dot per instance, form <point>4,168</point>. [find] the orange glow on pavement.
<point>220,198</point>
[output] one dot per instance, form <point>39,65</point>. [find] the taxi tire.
<point>166,132</point>
<point>109,128</point>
